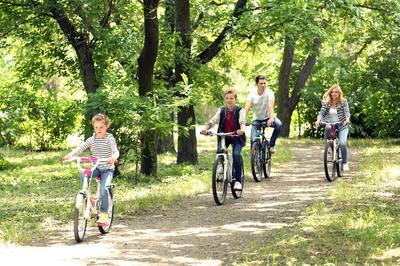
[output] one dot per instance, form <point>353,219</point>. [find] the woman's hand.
<point>317,123</point>
<point>346,122</point>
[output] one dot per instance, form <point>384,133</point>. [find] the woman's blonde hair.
<point>231,91</point>
<point>327,96</point>
<point>101,117</point>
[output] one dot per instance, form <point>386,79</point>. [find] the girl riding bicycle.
<point>231,118</point>
<point>335,108</point>
<point>102,145</point>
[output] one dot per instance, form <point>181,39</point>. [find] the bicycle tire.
<point>329,162</point>
<point>339,164</point>
<point>104,229</point>
<point>256,168</point>
<point>219,182</point>
<point>267,159</point>
<point>238,193</point>
<point>80,222</point>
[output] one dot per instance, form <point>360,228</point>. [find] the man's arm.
<point>247,106</point>
<point>271,112</point>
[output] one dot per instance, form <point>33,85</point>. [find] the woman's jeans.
<point>277,124</point>
<point>237,158</point>
<point>342,134</point>
<point>106,177</point>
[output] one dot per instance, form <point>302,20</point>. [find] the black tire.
<point>256,163</point>
<point>80,222</point>
<point>219,183</point>
<point>238,193</point>
<point>339,164</point>
<point>104,229</point>
<point>267,158</point>
<point>329,162</point>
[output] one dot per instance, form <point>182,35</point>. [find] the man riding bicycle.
<point>263,102</point>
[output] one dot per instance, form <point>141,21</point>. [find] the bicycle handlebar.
<point>94,161</point>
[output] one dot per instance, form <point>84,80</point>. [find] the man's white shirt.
<point>260,103</point>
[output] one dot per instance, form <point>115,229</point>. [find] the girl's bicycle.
<point>332,153</point>
<point>223,171</point>
<point>86,204</point>
<point>261,159</point>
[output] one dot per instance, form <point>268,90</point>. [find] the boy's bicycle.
<point>261,159</point>
<point>223,171</point>
<point>332,154</point>
<point>86,204</point>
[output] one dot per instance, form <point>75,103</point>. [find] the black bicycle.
<point>333,166</point>
<point>261,159</point>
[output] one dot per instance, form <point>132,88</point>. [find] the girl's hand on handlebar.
<point>66,158</point>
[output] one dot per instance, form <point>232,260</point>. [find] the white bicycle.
<point>223,171</point>
<point>87,205</point>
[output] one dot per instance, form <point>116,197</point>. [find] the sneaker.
<point>272,149</point>
<point>345,167</point>
<point>103,218</point>
<point>237,186</point>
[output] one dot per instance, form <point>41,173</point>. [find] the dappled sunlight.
<point>388,254</point>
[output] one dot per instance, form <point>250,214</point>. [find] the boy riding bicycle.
<point>102,145</point>
<point>231,118</point>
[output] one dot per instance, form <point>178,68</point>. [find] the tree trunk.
<point>286,104</point>
<point>187,143</point>
<point>146,63</point>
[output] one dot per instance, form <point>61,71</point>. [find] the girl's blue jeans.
<point>237,158</point>
<point>342,134</point>
<point>106,178</point>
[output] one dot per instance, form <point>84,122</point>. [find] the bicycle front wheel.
<point>219,182</point>
<point>80,221</point>
<point>238,193</point>
<point>339,165</point>
<point>329,162</point>
<point>256,164</point>
<point>267,159</point>
<point>105,228</point>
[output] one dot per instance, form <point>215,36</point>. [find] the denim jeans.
<point>106,177</point>
<point>342,134</point>
<point>237,158</point>
<point>277,124</point>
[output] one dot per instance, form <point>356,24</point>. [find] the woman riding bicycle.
<point>231,118</point>
<point>335,109</point>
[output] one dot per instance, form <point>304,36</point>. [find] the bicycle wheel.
<point>105,228</point>
<point>238,193</point>
<point>339,165</point>
<point>329,162</point>
<point>256,167</point>
<point>80,222</point>
<point>267,159</point>
<point>219,182</point>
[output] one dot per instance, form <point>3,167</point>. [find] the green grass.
<point>38,191</point>
<point>359,226</point>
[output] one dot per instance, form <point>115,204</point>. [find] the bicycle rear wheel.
<point>80,222</point>
<point>329,162</point>
<point>219,182</point>
<point>105,228</point>
<point>256,164</point>
<point>238,193</point>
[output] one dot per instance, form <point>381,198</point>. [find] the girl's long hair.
<point>327,96</point>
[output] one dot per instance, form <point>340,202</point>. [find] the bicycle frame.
<point>222,151</point>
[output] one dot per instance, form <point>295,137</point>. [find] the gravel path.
<point>194,231</point>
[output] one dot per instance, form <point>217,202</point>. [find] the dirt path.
<point>195,231</point>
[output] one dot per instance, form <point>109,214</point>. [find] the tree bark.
<point>187,143</point>
<point>286,103</point>
<point>146,63</point>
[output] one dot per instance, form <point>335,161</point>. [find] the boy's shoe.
<point>345,167</point>
<point>103,218</point>
<point>237,186</point>
<point>272,149</point>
